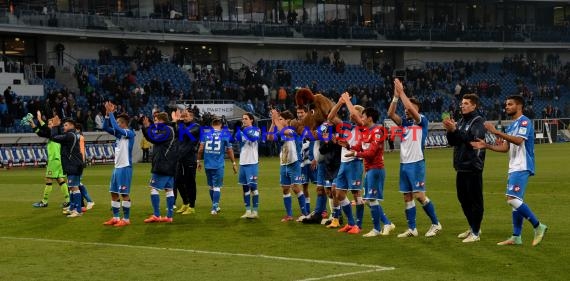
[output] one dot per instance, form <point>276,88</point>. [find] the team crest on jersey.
<point>522,131</point>
<point>524,123</point>
<point>123,187</point>
<point>516,188</point>
<point>356,182</point>
<point>420,184</point>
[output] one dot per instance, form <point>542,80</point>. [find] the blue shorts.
<point>215,177</point>
<point>374,184</point>
<point>321,176</point>
<point>73,180</point>
<point>290,174</point>
<point>121,180</point>
<point>248,175</point>
<point>161,182</point>
<point>516,185</point>
<point>349,175</point>
<point>413,177</point>
<point>309,175</point>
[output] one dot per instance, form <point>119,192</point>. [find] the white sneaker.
<point>471,238</point>
<point>433,230</point>
<point>246,215</point>
<point>300,218</point>
<point>408,233</point>
<point>387,228</point>
<point>74,214</point>
<point>90,205</point>
<point>213,212</point>
<point>464,235</point>
<point>253,215</point>
<point>372,233</point>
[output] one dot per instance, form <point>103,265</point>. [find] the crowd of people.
<point>350,161</point>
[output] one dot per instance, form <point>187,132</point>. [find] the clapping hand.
<point>55,121</point>
<point>145,122</point>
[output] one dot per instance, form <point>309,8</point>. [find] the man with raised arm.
<point>412,164</point>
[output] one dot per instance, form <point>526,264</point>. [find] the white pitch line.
<point>373,267</point>
<point>345,274</point>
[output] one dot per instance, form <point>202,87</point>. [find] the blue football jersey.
<point>215,146</point>
<point>521,157</point>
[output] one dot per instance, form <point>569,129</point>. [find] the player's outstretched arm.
<point>394,105</point>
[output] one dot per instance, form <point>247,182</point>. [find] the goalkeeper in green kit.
<point>54,171</point>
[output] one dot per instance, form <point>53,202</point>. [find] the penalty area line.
<point>371,267</point>
<point>347,274</point>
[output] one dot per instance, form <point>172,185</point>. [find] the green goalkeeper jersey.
<point>53,151</point>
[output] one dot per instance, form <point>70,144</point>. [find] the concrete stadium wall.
<point>89,49</point>
<point>448,55</point>
<point>254,53</point>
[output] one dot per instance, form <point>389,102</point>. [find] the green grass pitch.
<point>42,244</point>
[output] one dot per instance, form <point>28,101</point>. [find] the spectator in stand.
<point>89,122</point>
<point>219,11</point>
<point>99,120</point>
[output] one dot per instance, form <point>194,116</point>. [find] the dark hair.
<point>125,118</point>
<point>216,121</point>
<point>250,116</point>
<point>302,107</point>
<point>69,120</point>
<point>416,102</point>
<point>473,98</point>
<point>372,113</point>
<point>162,116</point>
<point>518,99</point>
<point>78,127</point>
<point>287,115</point>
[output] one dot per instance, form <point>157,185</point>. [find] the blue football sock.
<point>255,198</point>
<point>211,195</point>
<point>246,196</point>
<point>127,209</point>
<point>430,211</point>
<point>288,204</point>
<point>216,199</point>
<point>321,204</point>
<point>76,197</point>
<point>525,211</point>
<point>383,218</point>
<point>155,200</point>
<point>375,212</point>
<point>307,205</point>
<point>85,193</point>
<point>169,203</point>
<point>301,199</point>
<point>116,207</point>
<point>336,212</point>
<point>518,220</point>
<point>411,214</point>
<point>359,214</point>
<point>347,209</point>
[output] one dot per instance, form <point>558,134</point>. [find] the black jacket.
<point>465,158</point>
<point>330,157</point>
<point>188,138</point>
<point>71,157</point>
<point>43,131</point>
<point>165,148</point>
